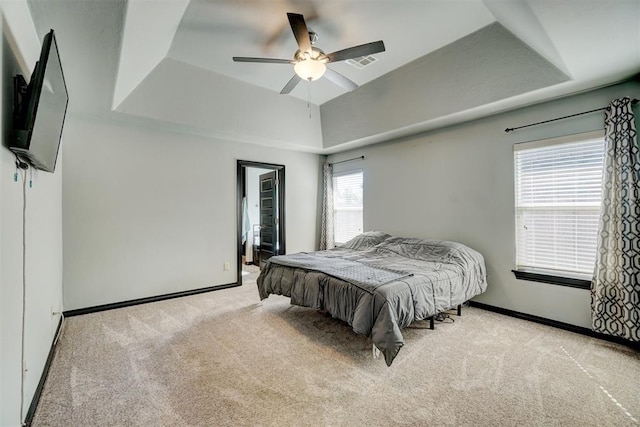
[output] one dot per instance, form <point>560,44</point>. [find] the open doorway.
<point>260,219</point>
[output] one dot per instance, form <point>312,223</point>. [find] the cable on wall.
<point>22,167</point>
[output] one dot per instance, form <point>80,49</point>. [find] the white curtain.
<point>615,289</point>
<point>326,236</point>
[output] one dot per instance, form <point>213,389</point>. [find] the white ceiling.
<point>169,61</point>
<point>242,31</point>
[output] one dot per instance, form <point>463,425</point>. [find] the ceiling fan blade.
<point>275,37</point>
<point>300,31</point>
<point>290,85</point>
<point>304,7</point>
<point>340,80</point>
<point>356,51</point>
<point>263,60</point>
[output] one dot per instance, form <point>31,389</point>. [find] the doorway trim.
<point>240,184</point>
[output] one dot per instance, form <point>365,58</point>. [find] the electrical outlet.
<point>227,266</point>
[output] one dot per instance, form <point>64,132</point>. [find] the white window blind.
<point>347,206</point>
<point>558,185</point>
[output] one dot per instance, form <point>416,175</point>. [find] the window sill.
<point>554,280</point>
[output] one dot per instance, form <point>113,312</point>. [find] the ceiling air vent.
<point>362,61</point>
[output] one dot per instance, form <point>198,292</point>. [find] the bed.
<point>378,284</point>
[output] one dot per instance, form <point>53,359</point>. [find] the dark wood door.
<point>269,244</point>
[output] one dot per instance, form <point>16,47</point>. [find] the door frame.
<point>241,166</point>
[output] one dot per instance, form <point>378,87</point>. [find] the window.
<point>557,204</point>
<point>347,205</point>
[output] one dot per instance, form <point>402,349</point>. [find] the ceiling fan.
<point>310,62</point>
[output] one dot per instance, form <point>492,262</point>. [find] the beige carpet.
<point>223,358</point>
<point>250,268</point>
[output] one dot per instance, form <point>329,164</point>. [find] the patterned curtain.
<point>326,236</point>
<point>615,289</point>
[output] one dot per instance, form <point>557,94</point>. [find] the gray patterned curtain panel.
<point>326,236</point>
<point>615,289</point>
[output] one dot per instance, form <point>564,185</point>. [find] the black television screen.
<point>39,117</point>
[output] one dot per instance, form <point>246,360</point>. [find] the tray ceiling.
<point>170,62</point>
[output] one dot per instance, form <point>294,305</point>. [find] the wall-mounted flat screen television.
<point>39,109</point>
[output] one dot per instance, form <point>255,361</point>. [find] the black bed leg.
<point>432,324</point>
<point>459,309</point>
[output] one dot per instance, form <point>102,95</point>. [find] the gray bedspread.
<point>363,275</point>
<point>424,277</point>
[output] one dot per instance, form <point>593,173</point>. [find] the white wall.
<point>457,184</point>
<point>20,50</point>
<point>147,213</point>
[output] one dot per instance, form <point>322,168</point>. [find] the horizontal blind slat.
<point>348,205</point>
<point>558,195</point>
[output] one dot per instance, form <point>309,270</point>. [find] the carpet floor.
<point>224,359</point>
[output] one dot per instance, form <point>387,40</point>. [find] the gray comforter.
<point>411,280</point>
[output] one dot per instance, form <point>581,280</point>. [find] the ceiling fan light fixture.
<point>310,69</point>
<point>310,62</point>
